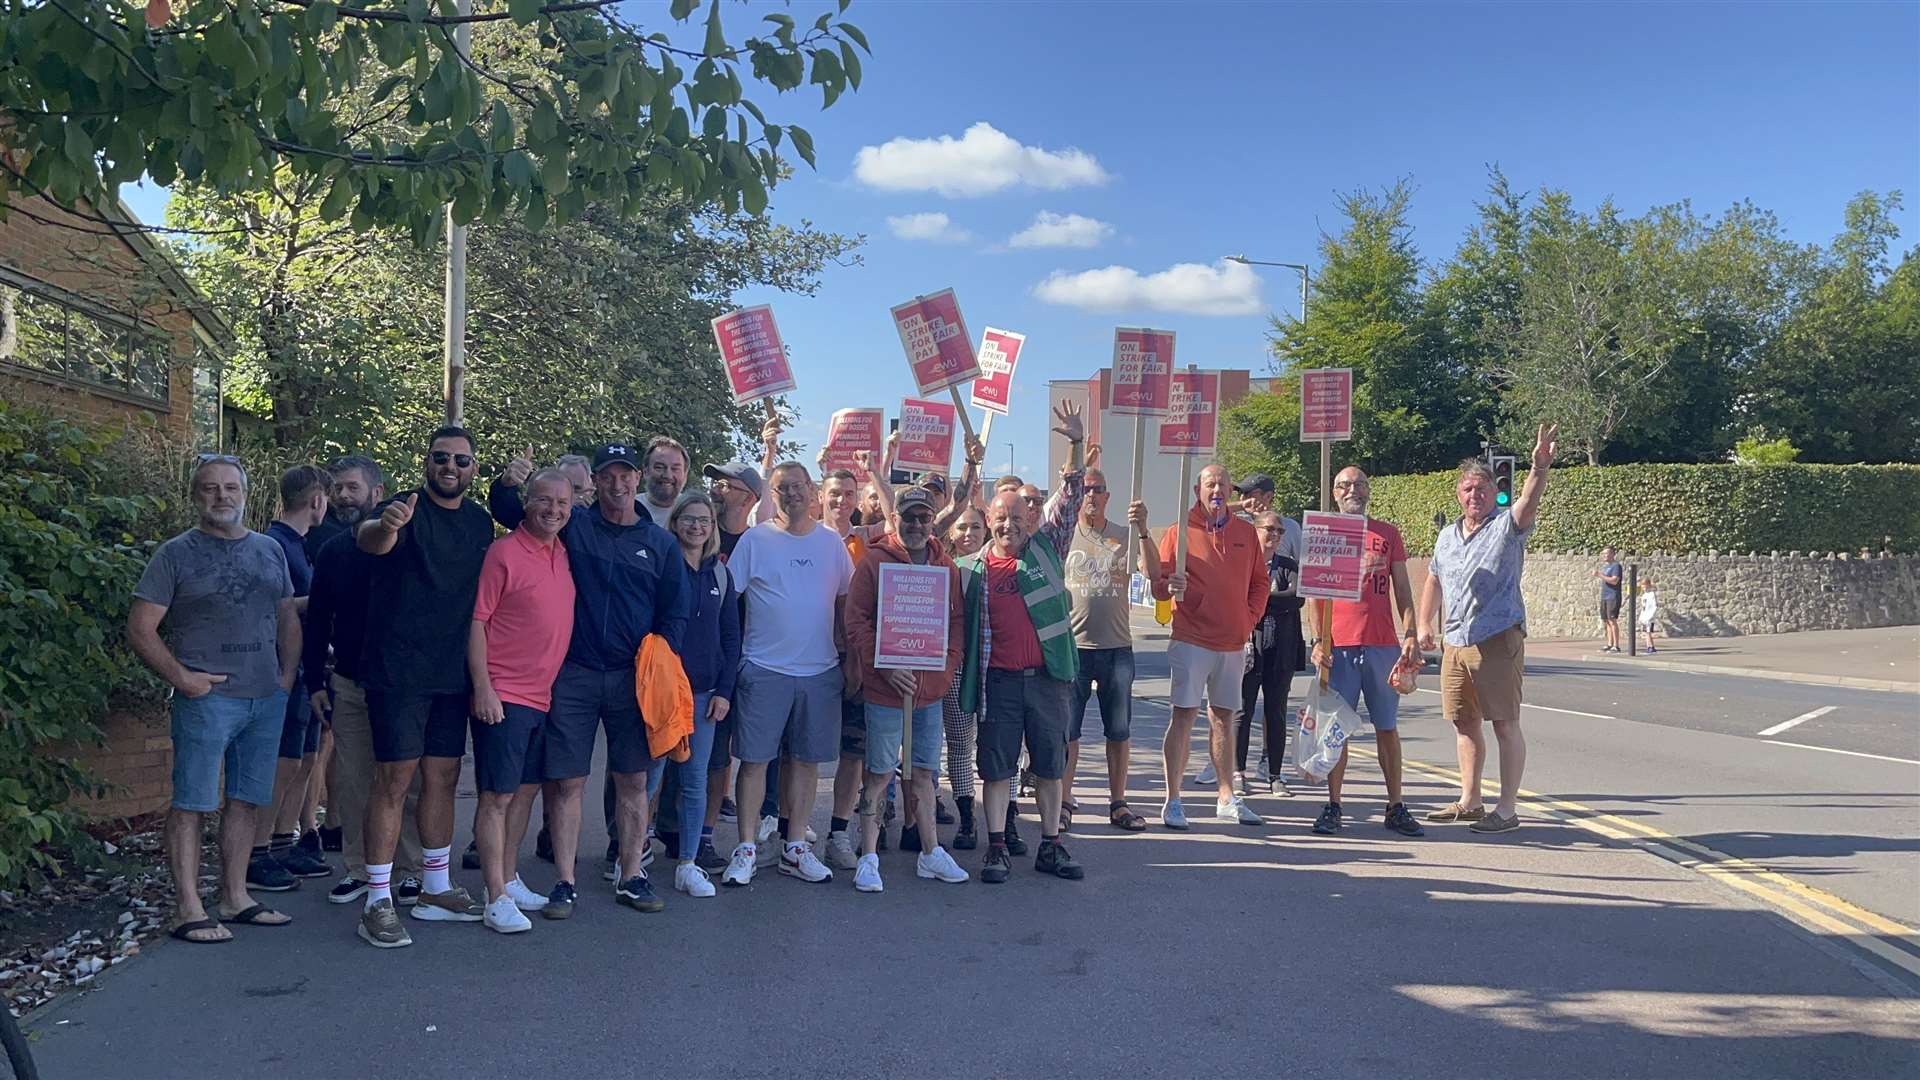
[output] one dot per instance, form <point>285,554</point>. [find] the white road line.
<point>1544,708</point>
<point>1797,721</point>
<point>1849,753</point>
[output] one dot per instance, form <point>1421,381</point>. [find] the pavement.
<point>1686,897</point>
<point>1883,658</point>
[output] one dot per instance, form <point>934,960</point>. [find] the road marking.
<point>1849,753</point>
<point>1544,708</point>
<point>1798,720</point>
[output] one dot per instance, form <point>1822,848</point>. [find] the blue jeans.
<point>1109,674</point>
<point>691,775</point>
<point>240,734</point>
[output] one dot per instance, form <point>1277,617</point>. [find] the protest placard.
<point>999,353</point>
<point>1142,371</point>
<point>754,357</point>
<point>911,617</point>
<point>926,436</point>
<point>1332,555</point>
<point>1192,425</point>
<point>936,342</point>
<point>853,430</point>
<point>1326,404</point>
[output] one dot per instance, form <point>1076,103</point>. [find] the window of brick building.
<point>61,338</point>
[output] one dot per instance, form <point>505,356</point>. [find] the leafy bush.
<point>1686,509</point>
<point>73,543</point>
<point>1755,449</point>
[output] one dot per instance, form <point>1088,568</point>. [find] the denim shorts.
<point>1365,670</point>
<point>886,725</point>
<point>301,735</point>
<point>239,735</point>
<point>1107,676</point>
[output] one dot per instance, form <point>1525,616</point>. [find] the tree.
<point>243,95</point>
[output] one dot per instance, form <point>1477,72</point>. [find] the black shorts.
<point>1029,706</point>
<point>407,726</point>
<point>300,735</point>
<point>722,755</point>
<point>511,752</point>
<point>583,701</point>
<point>1609,607</point>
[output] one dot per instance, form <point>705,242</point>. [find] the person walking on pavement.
<point>1360,649</point>
<point>1473,586</point>
<point>231,655</point>
<point>629,581</point>
<point>1217,601</point>
<point>522,624</point>
<point>1649,614</point>
<point>426,568</point>
<point>1097,575</point>
<point>1020,661</point>
<point>1274,653</point>
<point>336,625</point>
<point>1610,574</point>
<point>712,663</point>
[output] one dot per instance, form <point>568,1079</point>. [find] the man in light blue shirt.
<point>1473,582</point>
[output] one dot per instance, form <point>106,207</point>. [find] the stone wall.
<point>136,762</point>
<point>1728,595</point>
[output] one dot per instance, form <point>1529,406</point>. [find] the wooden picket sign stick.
<point>960,410</point>
<point>986,428</point>
<point>1180,537</point>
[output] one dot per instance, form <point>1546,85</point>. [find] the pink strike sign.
<point>751,349</point>
<point>1326,404</point>
<point>1333,551</point>
<point>1192,425</point>
<point>851,431</point>
<point>910,627</point>
<point>999,352</point>
<point>935,337</point>
<point>1142,371</point>
<point>926,436</point>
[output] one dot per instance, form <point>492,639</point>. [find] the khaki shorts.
<point>1482,682</point>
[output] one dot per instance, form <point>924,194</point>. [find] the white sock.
<point>379,882</point>
<point>434,862</point>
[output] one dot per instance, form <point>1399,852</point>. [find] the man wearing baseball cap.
<point>1256,491</point>
<point>629,581</point>
<point>735,488</point>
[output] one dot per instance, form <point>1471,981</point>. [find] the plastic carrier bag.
<point>1326,723</point>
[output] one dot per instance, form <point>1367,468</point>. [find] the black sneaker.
<point>407,893</point>
<point>559,901</point>
<point>727,812</point>
<point>332,838</point>
<point>301,863</point>
<point>964,838</point>
<point>265,872</point>
<point>470,858</point>
<point>1402,822</point>
<point>708,858</point>
<point>910,838</point>
<point>637,893</point>
<point>310,842</point>
<point>941,815</point>
<point>1015,845</point>
<point>997,867</point>
<point>543,845</point>
<point>1328,822</point>
<point>1053,859</point>
<point>347,891</point>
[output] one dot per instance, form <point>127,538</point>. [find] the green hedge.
<point>1687,509</point>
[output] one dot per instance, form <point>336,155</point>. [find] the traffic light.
<point>1502,478</point>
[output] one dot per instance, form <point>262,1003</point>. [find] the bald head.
<point>1214,488</point>
<point>1007,524</point>
<point>1352,489</point>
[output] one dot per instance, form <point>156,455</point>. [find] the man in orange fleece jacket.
<point>1217,601</point>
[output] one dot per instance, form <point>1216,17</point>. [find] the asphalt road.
<point>1230,950</point>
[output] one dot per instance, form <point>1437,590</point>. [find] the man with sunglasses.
<point>428,547</point>
<point>735,488</point>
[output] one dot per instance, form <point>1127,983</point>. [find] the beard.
<point>458,489</point>
<point>223,518</point>
<point>350,514</point>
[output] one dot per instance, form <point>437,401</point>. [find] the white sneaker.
<point>939,865</point>
<point>840,853</point>
<point>799,861</point>
<point>1235,811</point>
<point>524,898</point>
<point>1208,776</point>
<point>503,915</point>
<point>740,867</point>
<point>692,880</point>
<point>867,877</point>
<point>768,826</point>
<point>1175,815</point>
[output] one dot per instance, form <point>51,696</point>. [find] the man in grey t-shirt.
<point>234,632</point>
<point>1097,574</point>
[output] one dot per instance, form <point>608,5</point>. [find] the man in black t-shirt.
<point>429,551</point>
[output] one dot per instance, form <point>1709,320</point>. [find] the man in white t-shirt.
<point>793,573</point>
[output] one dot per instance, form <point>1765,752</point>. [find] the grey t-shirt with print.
<point>1097,574</point>
<point>223,601</point>
<point>1480,579</point>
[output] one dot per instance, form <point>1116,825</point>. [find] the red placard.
<point>1326,404</point>
<point>999,352</point>
<point>1192,425</point>
<point>939,350</point>
<point>850,431</point>
<point>755,359</point>
<point>1333,551</point>
<point>926,436</point>
<point>1142,371</point>
<point>910,620</point>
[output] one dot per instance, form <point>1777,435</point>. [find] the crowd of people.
<point>722,641</point>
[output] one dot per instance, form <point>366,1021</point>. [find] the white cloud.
<point>1061,230</point>
<point>982,161</point>
<point>1225,288</point>
<point>937,228</point>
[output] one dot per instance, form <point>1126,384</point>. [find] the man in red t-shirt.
<point>1362,648</point>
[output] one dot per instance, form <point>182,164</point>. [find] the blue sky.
<point>1174,133</point>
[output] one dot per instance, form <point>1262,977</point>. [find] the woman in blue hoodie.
<point>711,657</point>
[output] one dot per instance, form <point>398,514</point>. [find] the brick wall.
<point>137,761</point>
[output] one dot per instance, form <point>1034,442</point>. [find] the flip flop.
<point>1123,817</point>
<point>182,932</point>
<point>252,917</point>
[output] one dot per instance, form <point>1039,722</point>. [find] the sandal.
<point>257,915</point>
<point>185,931</point>
<point>1123,818</point>
<point>1456,812</point>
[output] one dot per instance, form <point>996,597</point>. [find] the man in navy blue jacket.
<point>630,581</point>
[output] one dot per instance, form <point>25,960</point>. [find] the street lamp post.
<point>1326,448</point>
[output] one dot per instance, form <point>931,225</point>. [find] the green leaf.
<point>335,203</point>
<point>716,37</point>
<point>519,169</point>
<point>802,143</point>
<point>681,9</point>
<point>714,124</point>
<point>386,87</point>
<point>525,12</point>
<point>850,60</point>
<point>501,124</point>
<point>79,148</point>
<point>859,36</point>
<point>753,194</point>
<point>417,11</point>
<point>296,114</point>
<point>554,174</point>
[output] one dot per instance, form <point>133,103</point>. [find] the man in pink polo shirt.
<point>522,621</point>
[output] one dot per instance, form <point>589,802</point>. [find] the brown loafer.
<point>1455,812</point>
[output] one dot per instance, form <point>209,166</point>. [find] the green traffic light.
<point>1503,498</point>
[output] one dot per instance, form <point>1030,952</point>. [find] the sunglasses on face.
<point>1096,489</point>
<point>441,457</point>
